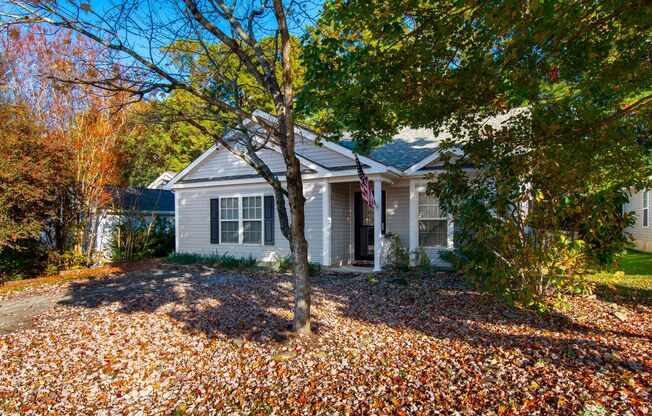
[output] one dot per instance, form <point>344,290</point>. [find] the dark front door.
<point>364,228</point>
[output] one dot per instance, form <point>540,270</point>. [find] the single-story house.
<point>641,231</point>
<point>223,206</point>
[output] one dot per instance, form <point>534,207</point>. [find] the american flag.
<point>365,187</point>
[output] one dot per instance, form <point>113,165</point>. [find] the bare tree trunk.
<point>298,243</point>
<point>299,247</point>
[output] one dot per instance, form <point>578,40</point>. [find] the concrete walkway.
<point>17,314</point>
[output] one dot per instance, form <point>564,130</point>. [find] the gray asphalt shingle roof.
<point>408,147</point>
<point>144,199</point>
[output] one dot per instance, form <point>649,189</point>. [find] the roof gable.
<point>219,164</point>
<point>406,148</point>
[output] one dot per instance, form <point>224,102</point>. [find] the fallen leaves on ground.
<point>18,288</point>
<point>191,340</point>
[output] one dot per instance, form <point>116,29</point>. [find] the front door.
<point>364,228</point>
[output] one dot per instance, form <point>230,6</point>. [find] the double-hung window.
<point>230,220</point>
<point>241,221</point>
<point>433,222</point>
<point>646,208</point>
<point>252,220</point>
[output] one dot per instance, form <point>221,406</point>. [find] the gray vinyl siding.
<point>397,215</point>
<point>642,235</point>
<point>193,216</point>
<point>322,155</point>
<point>225,163</point>
<point>341,220</point>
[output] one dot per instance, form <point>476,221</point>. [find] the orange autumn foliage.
<point>88,123</point>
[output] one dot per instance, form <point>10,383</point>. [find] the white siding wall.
<point>642,235</point>
<point>193,218</point>
<point>342,223</point>
<point>225,163</point>
<point>416,186</point>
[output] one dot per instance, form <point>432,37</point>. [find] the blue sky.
<point>167,13</point>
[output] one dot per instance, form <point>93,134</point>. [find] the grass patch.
<point>631,283</point>
<point>637,263</point>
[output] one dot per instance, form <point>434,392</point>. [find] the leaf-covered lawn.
<point>34,284</point>
<point>191,340</point>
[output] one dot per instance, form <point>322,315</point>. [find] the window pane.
<point>229,208</point>
<point>646,208</point>
<point>429,206</point>
<point>252,208</point>
<point>433,233</point>
<point>645,217</point>
<point>252,232</point>
<point>230,232</point>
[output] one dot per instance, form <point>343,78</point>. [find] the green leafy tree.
<point>571,83</point>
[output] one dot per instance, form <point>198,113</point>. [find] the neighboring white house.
<point>162,181</point>
<point>223,206</point>
<point>140,204</point>
<point>639,203</point>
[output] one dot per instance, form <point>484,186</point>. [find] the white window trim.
<point>646,209</point>
<point>448,219</point>
<point>416,186</point>
<point>222,220</point>
<point>241,219</point>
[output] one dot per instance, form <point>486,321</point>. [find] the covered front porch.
<point>354,234</point>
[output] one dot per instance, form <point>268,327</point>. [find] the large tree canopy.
<point>375,65</point>
<point>572,82</point>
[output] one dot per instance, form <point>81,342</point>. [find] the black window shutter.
<point>215,221</point>
<point>269,220</point>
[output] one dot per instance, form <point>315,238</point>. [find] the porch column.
<point>326,223</point>
<point>177,231</point>
<point>378,225</point>
<point>414,221</point>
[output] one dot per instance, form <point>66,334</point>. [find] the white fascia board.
<point>423,162</point>
<point>436,154</point>
<point>335,176</point>
<point>376,167</point>
<point>306,162</point>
